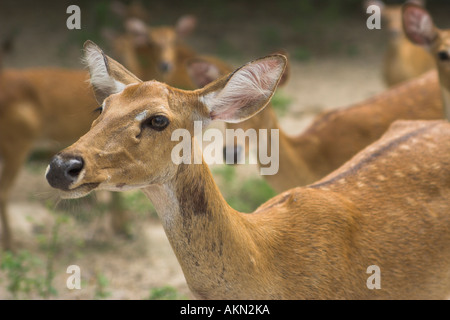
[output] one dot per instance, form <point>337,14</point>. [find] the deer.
<point>420,29</point>
<point>156,52</point>
<point>30,113</point>
<point>334,136</point>
<point>387,206</point>
<point>402,60</point>
<point>133,9</point>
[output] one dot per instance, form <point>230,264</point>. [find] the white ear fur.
<point>248,90</point>
<point>97,63</point>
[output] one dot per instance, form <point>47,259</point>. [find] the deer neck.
<point>202,230</point>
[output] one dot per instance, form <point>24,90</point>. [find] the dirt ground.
<point>329,78</point>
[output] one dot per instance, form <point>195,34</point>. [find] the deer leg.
<point>13,158</point>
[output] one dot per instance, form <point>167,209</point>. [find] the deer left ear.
<point>107,75</point>
<point>245,92</point>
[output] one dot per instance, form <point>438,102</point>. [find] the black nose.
<point>165,66</point>
<point>232,154</point>
<point>63,171</point>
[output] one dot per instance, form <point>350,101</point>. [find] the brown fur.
<point>315,242</point>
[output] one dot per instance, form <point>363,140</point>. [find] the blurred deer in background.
<point>388,206</point>
<point>155,53</point>
<point>42,104</point>
<point>334,136</point>
<point>403,60</point>
<point>132,9</point>
<point>420,29</point>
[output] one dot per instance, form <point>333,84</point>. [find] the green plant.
<point>165,293</point>
<point>270,37</point>
<point>101,287</point>
<point>246,195</point>
<point>227,50</point>
<point>52,248</point>
<point>138,203</point>
<point>18,268</point>
<point>301,54</point>
<point>281,103</point>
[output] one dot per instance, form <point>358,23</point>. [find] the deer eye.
<point>443,55</point>
<point>157,123</point>
<point>99,110</point>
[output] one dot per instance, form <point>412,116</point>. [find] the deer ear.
<point>138,31</point>
<point>107,75</point>
<point>185,25</point>
<point>245,92</point>
<point>287,70</point>
<point>418,24</point>
<point>203,70</point>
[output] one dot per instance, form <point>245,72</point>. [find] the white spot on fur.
<point>141,116</point>
<point>399,174</point>
<point>405,147</point>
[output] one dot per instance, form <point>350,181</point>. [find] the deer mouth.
<point>78,192</point>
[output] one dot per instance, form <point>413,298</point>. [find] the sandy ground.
<point>133,267</point>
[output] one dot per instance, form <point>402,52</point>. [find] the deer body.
<point>335,136</point>
<point>51,89</point>
<point>356,126</point>
<point>388,206</point>
<point>403,60</point>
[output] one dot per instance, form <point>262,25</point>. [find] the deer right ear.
<point>244,92</point>
<point>107,75</point>
<point>418,24</point>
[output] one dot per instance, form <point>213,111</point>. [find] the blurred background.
<point>334,61</point>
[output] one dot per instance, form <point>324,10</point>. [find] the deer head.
<point>129,145</point>
<point>421,30</point>
<point>156,47</point>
